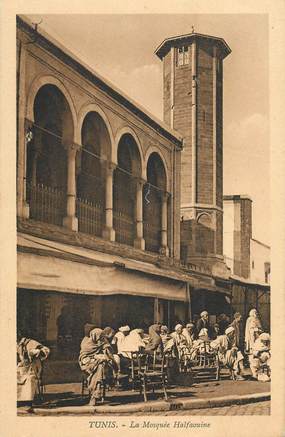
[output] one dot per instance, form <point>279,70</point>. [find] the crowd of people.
<point>107,354</point>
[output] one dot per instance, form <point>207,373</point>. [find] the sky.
<point>121,48</point>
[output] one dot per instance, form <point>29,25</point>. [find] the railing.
<point>124,193</point>
<point>90,217</point>
<point>152,217</point>
<point>125,228</point>
<point>47,204</point>
<point>152,236</point>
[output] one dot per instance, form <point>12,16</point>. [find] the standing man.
<point>203,323</point>
<point>236,324</point>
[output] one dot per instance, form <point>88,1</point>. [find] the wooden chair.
<point>207,360</point>
<point>137,367</point>
<point>40,383</point>
<point>184,361</point>
<point>84,383</point>
<point>153,374</point>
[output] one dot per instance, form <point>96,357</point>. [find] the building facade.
<point>259,261</point>
<point>246,256</point>
<point>248,259</point>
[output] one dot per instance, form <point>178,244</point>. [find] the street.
<point>256,408</point>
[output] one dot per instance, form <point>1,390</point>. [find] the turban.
<point>253,312</point>
<point>124,328</point>
<point>178,326</point>
<point>204,313</point>
<point>229,330</point>
<point>190,325</point>
<point>164,328</point>
<point>264,336</point>
<point>108,330</point>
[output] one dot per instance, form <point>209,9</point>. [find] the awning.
<point>37,272</point>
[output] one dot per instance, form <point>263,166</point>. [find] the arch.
<point>47,161</point>
<point>93,107</point>
<point>90,171</point>
<point>149,152</point>
<point>38,83</point>
<point>155,211</point>
<point>128,130</point>
<point>204,218</point>
<point>128,155</point>
<point>205,233</point>
<point>125,188</point>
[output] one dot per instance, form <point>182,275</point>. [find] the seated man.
<point>133,343</point>
<point>180,344</point>
<point>189,334</point>
<point>228,354</point>
<point>261,356</point>
<point>164,334</point>
<point>200,345</point>
<point>97,360</point>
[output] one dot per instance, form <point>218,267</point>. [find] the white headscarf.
<point>124,328</point>
<point>229,330</point>
<point>264,336</point>
<point>133,341</point>
<point>252,324</point>
<point>178,326</point>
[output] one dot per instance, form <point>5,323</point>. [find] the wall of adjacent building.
<point>259,261</point>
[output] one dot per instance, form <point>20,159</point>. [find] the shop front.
<point>56,297</point>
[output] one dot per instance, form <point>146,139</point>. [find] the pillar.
<point>22,206</point>
<point>71,221</point>
<point>164,250</point>
<point>109,232</point>
<point>139,242</point>
<point>155,310</point>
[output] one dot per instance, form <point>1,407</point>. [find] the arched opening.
<point>47,157</point>
<point>124,190</point>
<point>205,234</point>
<point>91,187</point>
<point>153,197</point>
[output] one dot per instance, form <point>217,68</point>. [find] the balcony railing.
<point>90,217</point>
<point>152,236</point>
<point>47,204</point>
<point>125,228</point>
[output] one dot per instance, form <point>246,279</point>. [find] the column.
<point>155,311</point>
<point>164,250</point>
<point>139,242</point>
<point>71,221</point>
<point>109,232</point>
<point>22,206</point>
<point>194,123</point>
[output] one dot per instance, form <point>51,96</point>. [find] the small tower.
<point>193,105</point>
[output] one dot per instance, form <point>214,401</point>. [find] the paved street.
<point>256,408</point>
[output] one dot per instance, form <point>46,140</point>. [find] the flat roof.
<point>236,197</point>
<point>165,46</point>
<point>61,52</point>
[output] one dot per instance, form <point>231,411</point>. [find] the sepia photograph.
<point>143,243</point>
<point>142,192</point>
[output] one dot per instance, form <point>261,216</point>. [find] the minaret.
<point>193,105</point>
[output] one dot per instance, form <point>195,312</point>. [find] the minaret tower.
<point>193,105</point>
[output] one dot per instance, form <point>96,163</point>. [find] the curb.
<point>156,406</point>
